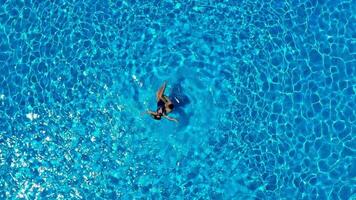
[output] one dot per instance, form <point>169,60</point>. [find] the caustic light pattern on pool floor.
<point>264,94</point>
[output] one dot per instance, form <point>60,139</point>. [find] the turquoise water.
<point>266,97</point>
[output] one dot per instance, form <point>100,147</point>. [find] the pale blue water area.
<point>266,93</point>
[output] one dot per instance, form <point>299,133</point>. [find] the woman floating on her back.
<point>164,105</point>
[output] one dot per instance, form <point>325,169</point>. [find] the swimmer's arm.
<point>150,112</point>
<point>170,118</point>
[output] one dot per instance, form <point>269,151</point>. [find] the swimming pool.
<point>266,93</point>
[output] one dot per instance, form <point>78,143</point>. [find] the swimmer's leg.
<point>160,92</point>
<point>166,100</point>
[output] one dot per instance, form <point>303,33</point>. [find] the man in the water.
<point>164,105</point>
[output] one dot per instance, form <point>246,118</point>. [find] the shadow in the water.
<point>180,100</point>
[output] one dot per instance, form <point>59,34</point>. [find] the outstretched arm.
<point>170,118</point>
<point>148,112</point>
<point>160,92</point>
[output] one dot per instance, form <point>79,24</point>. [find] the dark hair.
<point>157,117</point>
<point>170,106</point>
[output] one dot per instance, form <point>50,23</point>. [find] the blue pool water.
<point>266,93</point>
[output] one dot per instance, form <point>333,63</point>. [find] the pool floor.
<point>264,92</point>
